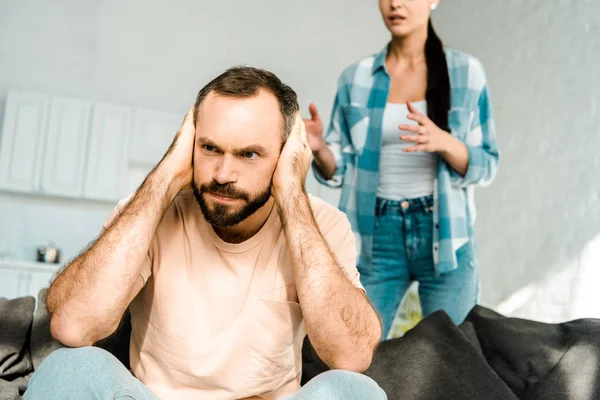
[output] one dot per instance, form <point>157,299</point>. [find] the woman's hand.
<point>429,138</point>
<point>314,129</point>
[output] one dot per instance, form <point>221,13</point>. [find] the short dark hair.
<point>242,82</point>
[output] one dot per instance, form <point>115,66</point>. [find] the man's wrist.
<point>288,199</point>
<point>164,180</point>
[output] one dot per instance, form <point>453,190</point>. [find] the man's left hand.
<point>294,161</point>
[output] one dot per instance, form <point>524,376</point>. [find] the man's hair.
<point>243,82</point>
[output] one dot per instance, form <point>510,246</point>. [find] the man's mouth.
<point>222,197</point>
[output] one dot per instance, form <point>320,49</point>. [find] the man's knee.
<point>67,365</point>
<point>340,384</point>
<point>79,360</point>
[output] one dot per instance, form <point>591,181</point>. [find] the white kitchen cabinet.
<point>136,175</point>
<point>71,148</point>
<point>66,149</point>
<point>23,141</point>
<point>106,177</point>
<point>14,282</point>
<point>25,278</point>
<point>38,279</point>
<point>44,144</point>
<point>153,132</point>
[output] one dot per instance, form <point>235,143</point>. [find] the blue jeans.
<point>403,253</point>
<point>93,373</point>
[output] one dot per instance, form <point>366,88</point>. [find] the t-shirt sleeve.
<point>337,232</point>
<point>116,212</point>
<point>146,269</point>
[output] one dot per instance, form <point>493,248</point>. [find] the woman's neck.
<point>408,51</point>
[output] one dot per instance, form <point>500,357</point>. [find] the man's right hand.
<point>314,129</point>
<point>177,162</point>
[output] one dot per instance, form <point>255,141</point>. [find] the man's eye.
<point>209,148</point>
<point>250,155</point>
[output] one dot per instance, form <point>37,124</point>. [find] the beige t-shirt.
<point>217,320</point>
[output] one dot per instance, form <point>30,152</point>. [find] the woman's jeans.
<point>403,252</point>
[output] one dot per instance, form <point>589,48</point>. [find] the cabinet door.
<point>153,132</point>
<point>38,280</point>
<point>22,141</point>
<point>108,153</point>
<point>66,149</point>
<point>14,282</point>
<point>135,176</point>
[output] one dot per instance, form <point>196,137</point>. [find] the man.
<point>224,279</point>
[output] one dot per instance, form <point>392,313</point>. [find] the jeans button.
<point>405,204</point>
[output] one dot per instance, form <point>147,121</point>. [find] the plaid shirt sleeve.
<point>337,139</point>
<point>481,139</point>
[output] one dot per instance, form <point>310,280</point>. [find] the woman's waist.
<point>423,204</point>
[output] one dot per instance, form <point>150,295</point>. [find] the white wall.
<point>158,54</point>
<point>538,225</point>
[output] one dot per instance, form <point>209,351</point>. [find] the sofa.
<point>489,356</point>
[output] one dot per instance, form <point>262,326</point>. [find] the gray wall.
<point>536,224</point>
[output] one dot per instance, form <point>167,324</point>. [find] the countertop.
<point>30,265</point>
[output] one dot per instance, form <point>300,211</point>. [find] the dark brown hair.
<point>242,82</point>
<point>438,80</point>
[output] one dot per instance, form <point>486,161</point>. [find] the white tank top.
<point>403,175</point>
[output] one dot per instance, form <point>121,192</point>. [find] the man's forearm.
<point>340,322</point>
<point>88,299</point>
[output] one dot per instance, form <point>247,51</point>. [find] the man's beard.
<point>221,215</point>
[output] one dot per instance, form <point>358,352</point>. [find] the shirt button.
<point>435,248</point>
<point>405,204</point>
<point>437,226</point>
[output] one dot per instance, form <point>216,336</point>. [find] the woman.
<point>411,134</point>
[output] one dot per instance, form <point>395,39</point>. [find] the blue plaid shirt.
<point>354,137</point>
